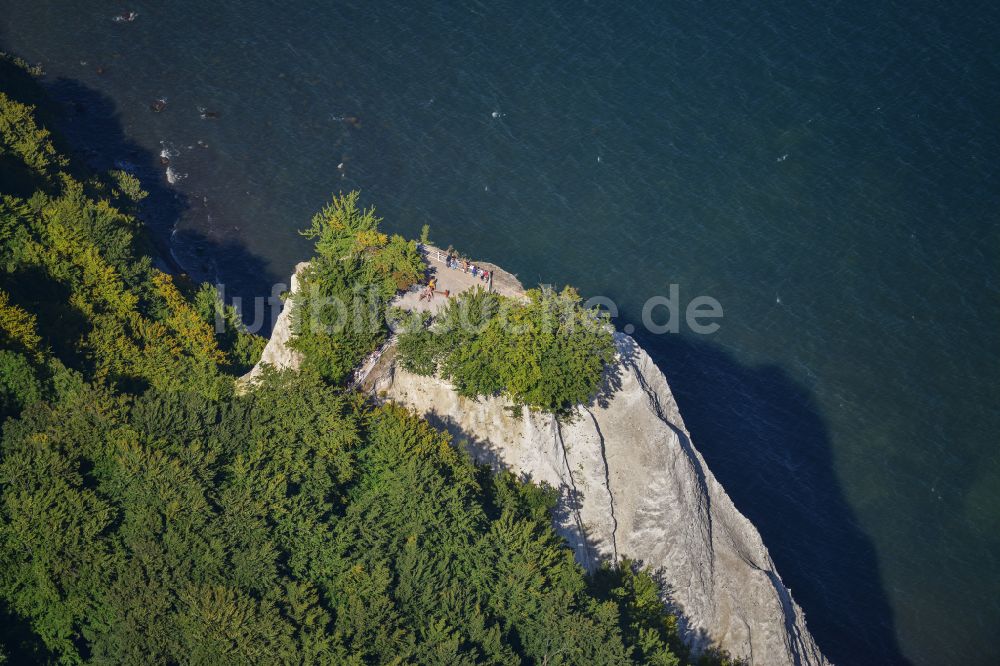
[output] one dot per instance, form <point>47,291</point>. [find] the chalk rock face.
<point>633,485</point>
<point>277,353</point>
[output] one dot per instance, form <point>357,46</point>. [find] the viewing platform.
<point>452,281</point>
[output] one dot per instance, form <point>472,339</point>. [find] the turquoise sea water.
<point>827,171</point>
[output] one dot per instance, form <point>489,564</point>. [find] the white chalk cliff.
<point>631,485</point>
<point>277,353</point>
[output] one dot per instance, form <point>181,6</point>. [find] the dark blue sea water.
<point>827,171</point>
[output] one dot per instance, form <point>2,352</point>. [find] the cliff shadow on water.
<point>763,437</point>
<point>86,126</point>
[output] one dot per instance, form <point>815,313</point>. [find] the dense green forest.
<point>548,353</point>
<point>150,513</point>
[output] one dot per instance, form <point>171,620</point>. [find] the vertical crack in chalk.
<point>574,499</point>
<point>607,484</point>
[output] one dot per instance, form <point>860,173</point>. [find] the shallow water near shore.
<point>826,172</point>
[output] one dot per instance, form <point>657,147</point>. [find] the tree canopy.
<point>149,513</point>
<point>339,309</point>
<point>548,353</point>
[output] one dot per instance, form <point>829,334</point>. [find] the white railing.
<point>442,257</point>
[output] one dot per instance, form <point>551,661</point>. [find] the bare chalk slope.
<point>277,353</point>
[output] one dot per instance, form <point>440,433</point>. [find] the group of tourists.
<point>466,266</point>
<point>453,262</point>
